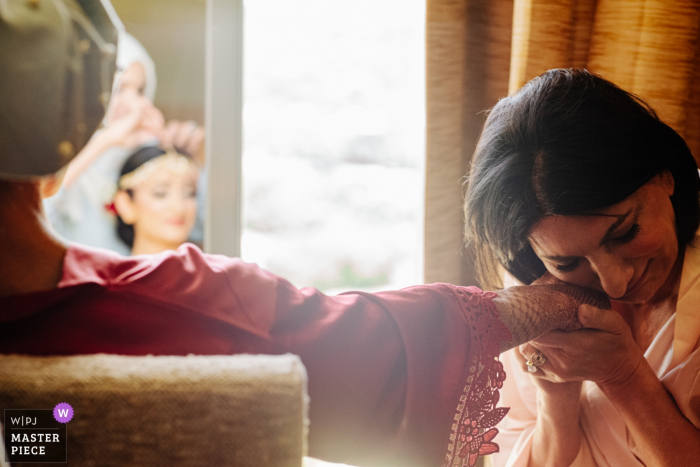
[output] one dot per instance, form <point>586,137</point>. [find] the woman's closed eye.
<point>160,190</point>
<point>625,238</point>
<point>190,192</point>
<point>568,267</point>
<point>628,236</point>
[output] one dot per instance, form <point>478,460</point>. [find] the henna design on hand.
<point>530,311</point>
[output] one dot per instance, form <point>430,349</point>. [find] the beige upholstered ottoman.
<point>244,410</point>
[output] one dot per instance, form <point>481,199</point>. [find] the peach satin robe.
<point>673,355</point>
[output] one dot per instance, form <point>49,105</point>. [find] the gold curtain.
<point>468,56</point>
<point>648,47</point>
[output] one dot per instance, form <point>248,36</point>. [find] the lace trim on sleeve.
<point>476,416</point>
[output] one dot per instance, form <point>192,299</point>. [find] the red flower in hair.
<point>110,208</point>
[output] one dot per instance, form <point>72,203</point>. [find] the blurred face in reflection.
<point>128,90</point>
<point>128,97</point>
<point>162,210</point>
<point>133,80</point>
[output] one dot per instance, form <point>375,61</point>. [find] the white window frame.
<point>223,118</point>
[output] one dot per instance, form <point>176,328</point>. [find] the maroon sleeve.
<point>396,378</point>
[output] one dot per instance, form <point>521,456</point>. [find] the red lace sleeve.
<point>476,414</point>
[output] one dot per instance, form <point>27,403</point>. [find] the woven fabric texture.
<point>244,410</point>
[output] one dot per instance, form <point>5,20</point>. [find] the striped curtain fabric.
<point>481,50</point>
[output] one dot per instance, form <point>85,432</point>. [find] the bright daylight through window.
<point>334,125</point>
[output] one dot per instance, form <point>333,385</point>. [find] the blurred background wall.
<point>173,33</point>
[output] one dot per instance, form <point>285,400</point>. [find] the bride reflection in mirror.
<point>156,200</point>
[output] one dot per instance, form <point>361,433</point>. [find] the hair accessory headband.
<point>170,161</point>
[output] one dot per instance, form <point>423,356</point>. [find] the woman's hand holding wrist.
<point>530,311</point>
<point>603,352</point>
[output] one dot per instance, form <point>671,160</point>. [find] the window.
<point>333,141</point>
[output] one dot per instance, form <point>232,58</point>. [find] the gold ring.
<point>536,359</point>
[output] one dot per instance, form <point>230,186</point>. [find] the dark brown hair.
<point>569,142</point>
<point>125,231</point>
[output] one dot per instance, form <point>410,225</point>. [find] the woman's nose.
<point>176,205</point>
<point>614,274</point>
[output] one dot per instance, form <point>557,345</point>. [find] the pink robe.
<point>673,355</point>
<point>395,378</point>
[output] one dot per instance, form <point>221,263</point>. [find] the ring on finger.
<point>536,359</point>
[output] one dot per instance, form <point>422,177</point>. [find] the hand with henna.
<point>547,304</point>
<point>529,312</point>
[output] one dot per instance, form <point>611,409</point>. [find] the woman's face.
<point>133,80</point>
<point>129,89</point>
<point>627,250</point>
<point>165,207</point>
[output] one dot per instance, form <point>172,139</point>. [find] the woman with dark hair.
<point>576,177</point>
<point>156,201</point>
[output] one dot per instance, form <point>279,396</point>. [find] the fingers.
<point>561,339</point>
<point>605,320</point>
<point>167,135</point>
<point>521,359</point>
<point>538,364</point>
<point>532,356</point>
<point>136,115</point>
<point>526,350</point>
<point>523,355</point>
<point>190,140</point>
<point>152,119</point>
<point>594,321</point>
<point>121,131</point>
<point>196,142</point>
<point>185,137</point>
<point>184,134</point>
